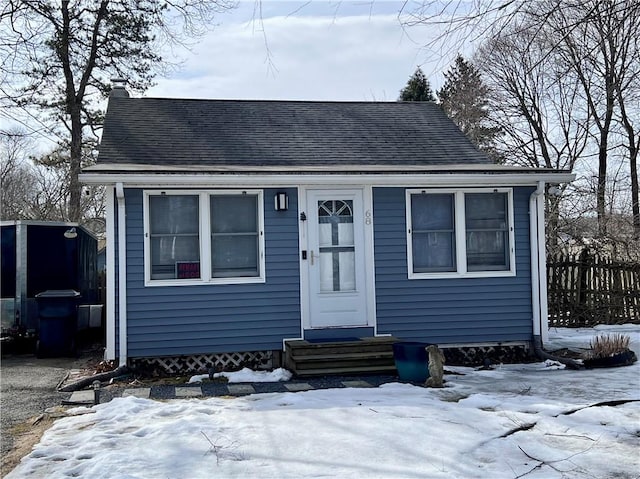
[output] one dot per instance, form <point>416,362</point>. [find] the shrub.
<point>607,345</point>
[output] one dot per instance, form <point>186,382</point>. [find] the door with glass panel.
<point>337,290</point>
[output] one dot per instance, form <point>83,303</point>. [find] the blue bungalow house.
<point>237,227</point>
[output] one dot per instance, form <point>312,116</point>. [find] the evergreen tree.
<point>464,98</point>
<point>417,89</point>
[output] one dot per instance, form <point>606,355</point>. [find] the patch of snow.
<point>550,364</point>
<point>518,420</point>
<point>247,375</point>
<point>198,378</point>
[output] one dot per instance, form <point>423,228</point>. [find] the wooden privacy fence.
<point>587,289</point>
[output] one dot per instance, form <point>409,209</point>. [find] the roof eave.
<point>326,168</point>
<point>407,178</point>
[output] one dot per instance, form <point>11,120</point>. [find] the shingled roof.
<point>179,132</point>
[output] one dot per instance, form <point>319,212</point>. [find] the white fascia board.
<point>123,168</point>
<point>414,179</point>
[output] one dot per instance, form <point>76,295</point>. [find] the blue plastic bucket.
<point>411,360</point>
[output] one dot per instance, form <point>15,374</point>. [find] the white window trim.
<point>205,239</point>
<point>460,235</point>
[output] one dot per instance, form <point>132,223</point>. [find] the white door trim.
<point>304,271</point>
<point>369,258</point>
<point>369,275</point>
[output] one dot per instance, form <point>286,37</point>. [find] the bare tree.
<point>30,190</point>
<point>627,92</point>
<point>16,175</point>
<point>602,51</point>
<point>462,21</point>
<point>60,56</point>
<point>536,105</point>
<point>594,41</point>
<point>565,96</point>
<point>50,194</point>
<point>38,187</point>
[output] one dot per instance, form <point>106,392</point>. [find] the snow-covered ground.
<point>514,421</point>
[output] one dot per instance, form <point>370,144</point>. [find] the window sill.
<point>201,282</point>
<point>456,275</point>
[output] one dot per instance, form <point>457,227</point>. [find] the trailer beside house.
<point>39,256</point>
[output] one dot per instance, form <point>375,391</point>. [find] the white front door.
<point>336,259</point>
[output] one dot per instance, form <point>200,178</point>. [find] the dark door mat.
<point>332,340</point>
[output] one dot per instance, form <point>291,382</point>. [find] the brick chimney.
<point>118,88</point>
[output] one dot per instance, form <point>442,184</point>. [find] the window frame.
<point>460,236</point>
<point>206,276</point>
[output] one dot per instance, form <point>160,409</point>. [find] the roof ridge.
<point>246,100</point>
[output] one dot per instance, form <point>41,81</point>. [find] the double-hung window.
<point>174,231</point>
<point>235,247</point>
<point>487,232</point>
<point>203,236</point>
<point>460,233</point>
<point>433,233</point>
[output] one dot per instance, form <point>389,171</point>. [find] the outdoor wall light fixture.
<point>281,201</point>
<point>71,233</point>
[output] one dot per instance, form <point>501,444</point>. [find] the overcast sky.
<point>297,50</point>
<point>318,50</point>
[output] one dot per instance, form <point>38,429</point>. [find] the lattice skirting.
<point>477,355</point>
<point>203,363</point>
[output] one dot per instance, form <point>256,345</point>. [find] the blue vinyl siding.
<point>455,310</point>
<point>181,320</point>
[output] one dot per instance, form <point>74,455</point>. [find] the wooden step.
<point>299,351</point>
<point>343,363</point>
<point>368,355</point>
<point>346,371</point>
<point>300,348</point>
<point>346,356</point>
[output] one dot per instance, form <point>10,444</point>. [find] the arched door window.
<point>337,250</point>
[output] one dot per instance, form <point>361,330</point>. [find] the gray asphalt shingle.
<point>155,131</point>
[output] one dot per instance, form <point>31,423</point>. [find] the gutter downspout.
<point>110,316</point>
<point>542,271</point>
<point>538,269</point>
<point>535,266</point>
<point>122,275</point>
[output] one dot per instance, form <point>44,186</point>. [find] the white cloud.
<point>319,50</point>
<point>363,57</point>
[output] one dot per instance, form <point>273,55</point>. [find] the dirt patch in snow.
<point>25,435</point>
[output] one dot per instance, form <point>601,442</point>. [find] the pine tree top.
<point>417,88</point>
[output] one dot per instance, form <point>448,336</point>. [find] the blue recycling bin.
<point>57,322</point>
<point>411,360</point>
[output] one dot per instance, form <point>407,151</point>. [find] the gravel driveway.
<point>27,388</point>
